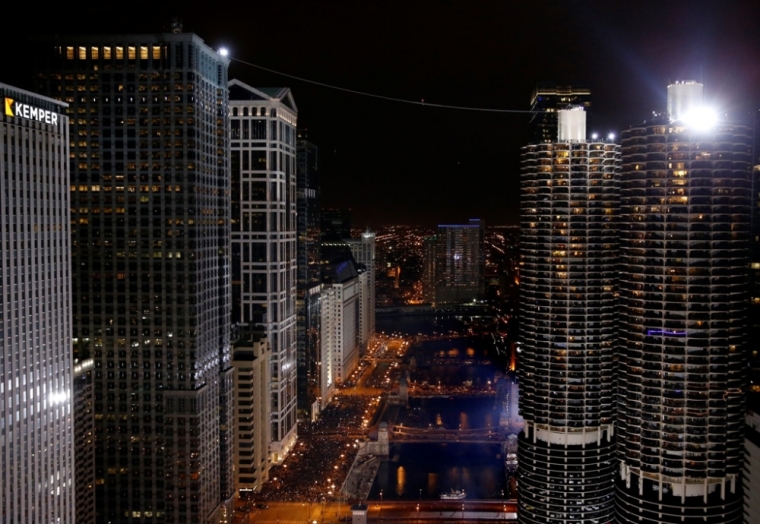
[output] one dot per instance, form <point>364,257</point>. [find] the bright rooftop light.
<point>700,119</point>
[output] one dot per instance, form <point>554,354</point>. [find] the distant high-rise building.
<point>336,224</point>
<point>460,262</point>
<point>682,370</point>
<point>150,285</point>
<point>363,250</point>
<point>36,362</point>
<point>568,296</point>
<point>549,98</point>
<point>341,321</point>
<point>309,278</point>
<point>428,269</point>
<point>251,360</point>
<point>263,167</point>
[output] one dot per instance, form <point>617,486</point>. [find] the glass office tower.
<point>150,241</point>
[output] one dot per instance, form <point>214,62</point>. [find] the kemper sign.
<point>17,109</point>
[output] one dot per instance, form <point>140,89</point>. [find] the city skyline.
<point>411,158</point>
<point>185,196</point>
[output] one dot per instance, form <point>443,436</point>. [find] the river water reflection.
<point>435,468</point>
<point>425,470</point>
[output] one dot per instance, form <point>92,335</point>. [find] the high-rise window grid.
<point>263,164</point>
<point>683,326</point>
<point>568,294</point>
<point>150,244</point>
<point>37,458</point>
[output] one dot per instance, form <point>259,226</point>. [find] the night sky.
<point>397,163</point>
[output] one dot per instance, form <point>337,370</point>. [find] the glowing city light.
<point>223,51</point>
<point>700,119</point>
<point>59,397</point>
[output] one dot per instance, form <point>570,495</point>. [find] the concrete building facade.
<point>251,360</point>
<point>568,296</point>
<point>263,167</point>
<point>363,250</point>
<point>682,370</point>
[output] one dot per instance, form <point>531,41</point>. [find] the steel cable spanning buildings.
<point>567,306</point>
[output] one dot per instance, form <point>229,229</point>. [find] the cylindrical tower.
<point>568,287</point>
<point>683,98</point>
<point>682,360</point>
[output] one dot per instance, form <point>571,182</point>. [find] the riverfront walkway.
<point>427,510</point>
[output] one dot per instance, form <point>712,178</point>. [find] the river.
<point>423,471</point>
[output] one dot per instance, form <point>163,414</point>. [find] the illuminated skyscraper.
<point>568,285</point>
<point>546,101</point>
<point>150,244</point>
<point>428,269</point>
<point>363,250</point>
<point>263,167</point>
<point>683,321</point>
<point>345,285</point>
<point>36,364</point>
<point>460,262</point>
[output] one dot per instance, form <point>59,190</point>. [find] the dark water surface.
<point>425,470</point>
<point>439,467</point>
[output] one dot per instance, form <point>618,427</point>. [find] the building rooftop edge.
<point>33,95</point>
<point>135,37</point>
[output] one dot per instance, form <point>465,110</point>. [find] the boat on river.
<point>454,494</point>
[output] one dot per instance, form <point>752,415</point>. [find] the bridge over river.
<point>488,435</point>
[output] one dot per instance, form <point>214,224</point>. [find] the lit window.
<point>131,52</point>
<point>82,53</point>
<point>107,52</point>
